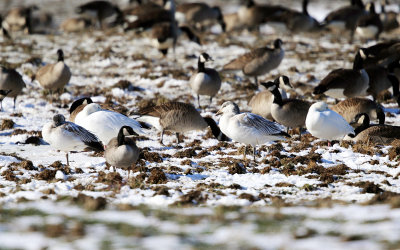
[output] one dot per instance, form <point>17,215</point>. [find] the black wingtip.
<point>95,146</point>
<point>282,133</point>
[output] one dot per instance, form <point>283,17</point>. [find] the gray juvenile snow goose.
<point>206,81</point>
<point>54,76</point>
<point>12,83</point>
<point>248,128</point>
<point>67,136</point>
<point>261,103</point>
<point>258,61</point>
<point>345,83</point>
<point>377,133</point>
<point>178,117</point>
<point>121,151</point>
<point>291,113</point>
<point>351,107</point>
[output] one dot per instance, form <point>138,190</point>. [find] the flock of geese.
<point>91,126</point>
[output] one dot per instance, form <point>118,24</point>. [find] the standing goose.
<point>261,103</point>
<point>19,18</point>
<point>388,18</point>
<point>121,151</point>
<point>11,81</point>
<point>54,76</point>
<point>104,123</point>
<point>369,26</point>
<point>77,106</point>
<point>102,10</point>
<point>377,134</point>
<point>351,107</point>
<point>68,136</point>
<point>206,81</point>
<point>381,79</point>
<point>382,53</point>
<point>325,123</point>
<point>291,113</point>
<point>346,83</point>
<point>248,128</point>
<point>259,61</point>
<point>178,117</point>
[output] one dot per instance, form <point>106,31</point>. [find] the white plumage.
<point>104,123</point>
<point>325,123</point>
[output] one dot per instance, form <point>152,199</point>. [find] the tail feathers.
<point>95,145</point>
<point>151,121</point>
<point>284,134</point>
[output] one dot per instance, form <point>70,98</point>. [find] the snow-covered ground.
<point>200,193</point>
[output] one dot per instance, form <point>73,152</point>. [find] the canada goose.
<point>325,123</point>
<point>3,31</point>
<point>104,123</point>
<point>345,83</point>
<point>258,61</point>
<point>381,79</point>
<point>369,26</point>
<point>382,53</point>
<point>248,128</point>
<point>54,76</point>
<point>10,79</point>
<point>75,24</point>
<point>102,10</point>
<point>291,113</point>
<point>351,107</point>
<point>121,151</point>
<point>196,14</point>
<point>206,81</point>
<point>261,102</point>
<point>376,134</point>
<point>345,18</point>
<point>19,18</point>
<point>68,136</point>
<point>232,22</point>
<point>388,18</point>
<point>178,117</point>
<point>164,35</point>
<point>77,106</point>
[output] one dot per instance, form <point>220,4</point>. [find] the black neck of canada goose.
<point>277,43</point>
<point>220,18</point>
<point>359,60</point>
<point>216,131</point>
<point>371,8</point>
<point>121,134</point>
<point>277,95</point>
<point>79,102</point>
<point>192,37</point>
<point>305,4</point>
<point>365,123</point>
<point>284,80</point>
<point>60,54</point>
<point>200,65</point>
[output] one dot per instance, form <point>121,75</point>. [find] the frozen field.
<point>199,194</point>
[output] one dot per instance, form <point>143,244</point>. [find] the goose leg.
<point>177,137</point>
<point>211,100</point>
<point>162,136</point>
<point>254,153</point>
<point>256,80</point>
<point>66,155</point>
<point>198,100</point>
<point>15,100</point>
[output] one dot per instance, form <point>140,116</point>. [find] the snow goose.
<point>374,133</point>
<point>206,81</point>
<point>178,117</point>
<point>104,123</point>
<point>369,26</point>
<point>68,136</point>
<point>351,107</point>
<point>291,113</point>
<point>261,103</point>
<point>77,106</point>
<point>248,128</point>
<point>121,151</point>
<point>325,123</point>
<point>258,61</point>
<point>54,76</point>
<point>10,79</point>
<point>345,83</point>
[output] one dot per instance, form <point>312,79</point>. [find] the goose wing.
<point>244,59</point>
<point>260,123</point>
<point>83,135</point>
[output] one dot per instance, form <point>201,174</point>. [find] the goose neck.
<point>121,138</point>
<point>200,65</point>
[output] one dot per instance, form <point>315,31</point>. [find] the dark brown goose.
<point>178,117</point>
<point>369,26</point>
<point>351,107</point>
<point>382,53</point>
<point>258,61</point>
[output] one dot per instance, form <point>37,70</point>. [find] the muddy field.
<point>200,193</point>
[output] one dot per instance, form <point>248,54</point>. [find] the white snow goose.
<point>248,128</point>
<point>67,136</point>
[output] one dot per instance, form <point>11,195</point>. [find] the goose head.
<point>204,57</point>
<point>359,59</point>
<point>278,43</point>
<point>60,54</point>
<point>229,107</point>
<point>124,131</point>
<point>58,120</point>
<point>79,102</point>
<point>91,108</point>
<point>283,82</point>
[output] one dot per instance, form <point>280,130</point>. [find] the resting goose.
<point>196,14</point>
<point>351,107</point>
<point>377,133</point>
<point>68,136</point>
<point>346,83</point>
<point>54,76</point>
<point>77,106</point>
<point>325,123</point>
<point>121,151</point>
<point>259,61</point>
<point>369,26</point>
<point>206,81</point>
<point>11,81</point>
<point>248,128</point>
<point>261,103</point>
<point>104,123</point>
<point>291,113</point>
<point>178,117</point>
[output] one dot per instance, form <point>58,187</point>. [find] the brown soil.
<point>236,168</point>
<point>157,176</point>
<point>90,203</point>
<point>6,124</point>
<point>46,174</point>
